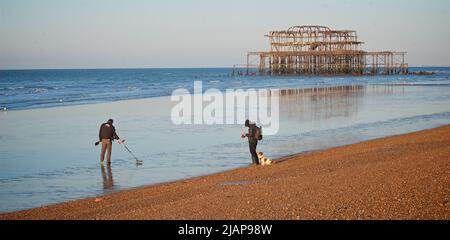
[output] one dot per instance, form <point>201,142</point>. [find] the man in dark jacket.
<point>106,135</point>
<point>252,140</point>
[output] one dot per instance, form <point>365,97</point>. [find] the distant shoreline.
<point>397,177</point>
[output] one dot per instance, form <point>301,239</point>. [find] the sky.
<point>38,34</point>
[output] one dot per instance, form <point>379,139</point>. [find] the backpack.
<point>257,133</point>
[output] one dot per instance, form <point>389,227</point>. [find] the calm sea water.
<point>47,133</point>
<point>26,89</point>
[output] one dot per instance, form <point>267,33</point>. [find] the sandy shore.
<point>399,177</point>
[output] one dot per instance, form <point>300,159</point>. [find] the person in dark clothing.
<point>252,140</point>
<point>106,135</point>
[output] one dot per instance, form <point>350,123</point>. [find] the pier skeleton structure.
<point>319,50</point>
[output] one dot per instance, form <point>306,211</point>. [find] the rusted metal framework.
<point>319,50</point>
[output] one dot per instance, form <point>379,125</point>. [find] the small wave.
<point>39,90</point>
<point>56,88</point>
<point>442,71</point>
<point>14,88</point>
<point>423,83</point>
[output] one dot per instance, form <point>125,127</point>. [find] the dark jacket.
<point>251,132</point>
<point>107,131</point>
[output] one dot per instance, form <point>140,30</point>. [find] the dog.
<point>263,161</point>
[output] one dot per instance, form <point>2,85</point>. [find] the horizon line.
<point>123,68</point>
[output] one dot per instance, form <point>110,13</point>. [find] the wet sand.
<point>400,177</point>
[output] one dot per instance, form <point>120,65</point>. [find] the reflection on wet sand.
<point>107,177</point>
<point>320,103</point>
<point>326,102</point>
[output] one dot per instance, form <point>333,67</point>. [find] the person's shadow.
<point>107,177</point>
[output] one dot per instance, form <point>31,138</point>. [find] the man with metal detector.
<point>254,134</point>
<point>106,135</point>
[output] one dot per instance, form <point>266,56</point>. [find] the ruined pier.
<point>319,50</point>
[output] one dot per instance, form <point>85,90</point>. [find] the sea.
<point>49,121</point>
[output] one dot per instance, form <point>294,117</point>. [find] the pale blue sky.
<point>204,33</point>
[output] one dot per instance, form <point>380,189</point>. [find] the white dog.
<point>263,160</point>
